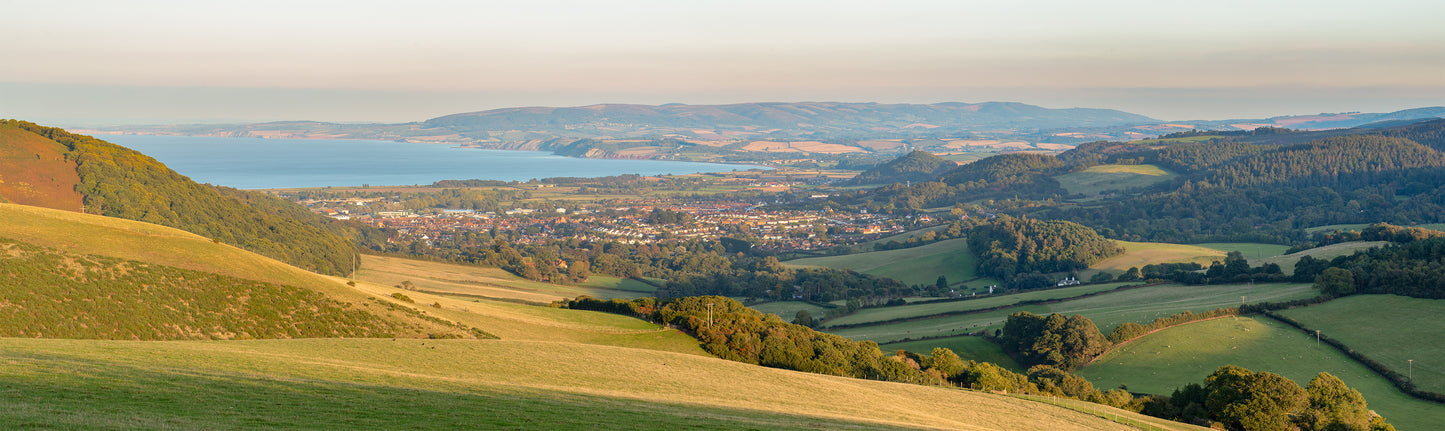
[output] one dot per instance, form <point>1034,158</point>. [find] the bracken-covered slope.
<point>115,181</point>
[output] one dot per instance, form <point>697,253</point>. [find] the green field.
<point>789,309</point>
<point>1138,254</point>
<point>1287,262</point>
<point>869,315</point>
<point>1107,178</point>
<point>917,265</point>
<point>1171,358</point>
<point>1141,305</point>
<point>967,347</point>
<point>1375,325</point>
<point>1253,251</point>
<point>868,246</point>
<point>488,282</point>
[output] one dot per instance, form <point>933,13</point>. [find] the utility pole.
<point>1317,339</point>
<point>1412,370</point>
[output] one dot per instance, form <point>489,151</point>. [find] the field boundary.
<point>1120,344</point>
<point>1400,382</point>
<point>986,310</point>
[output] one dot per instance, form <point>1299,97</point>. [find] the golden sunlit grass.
<point>559,379</point>
<point>1138,254</point>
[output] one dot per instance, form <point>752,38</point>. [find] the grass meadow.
<point>1138,254</point>
<point>1168,359</point>
<point>1252,250</point>
<point>788,309</point>
<point>1375,325</point>
<point>451,384</point>
<point>1286,262</point>
<point>870,315</point>
<point>1107,178</point>
<point>918,265</point>
<point>487,282</point>
<point>1141,305</point>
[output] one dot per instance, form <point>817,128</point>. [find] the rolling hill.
<point>108,278</point>
<point>52,167</point>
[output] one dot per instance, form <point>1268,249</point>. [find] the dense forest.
<point>914,166</point>
<point>119,182</point>
<point>1009,247</point>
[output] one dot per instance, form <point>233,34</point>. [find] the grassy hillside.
<point>1138,254</point>
<point>119,182</point>
<point>1375,325</point>
<point>1286,262</point>
<point>1171,358</point>
<point>967,347</point>
<point>1141,305</point>
<point>486,282</point>
<point>1252,250</point>
<point>36,171</point>
<point>917,265</point>
<point>448,384</point>
<point>176,284</point>
<point>1112,178</point>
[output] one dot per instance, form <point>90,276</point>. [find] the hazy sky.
<point>75,62</point>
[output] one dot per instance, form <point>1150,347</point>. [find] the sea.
<point>256,163</point>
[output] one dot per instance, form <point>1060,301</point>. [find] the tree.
<point>1244,400</point>
<point>1335,282</point>
<point>1334,406</point>
<point>942,283</point>
<point>803,317</point>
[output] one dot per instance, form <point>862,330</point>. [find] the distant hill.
<point>914,166</point>
<point>115,181</point>
<point>796,119</point>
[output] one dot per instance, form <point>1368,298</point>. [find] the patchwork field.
<point>1138,254</point>
<point>1141,305</point>
<point>1106,178</point>
<point>1171,358</point>
<point>1372,324</point>
<point>917,265</point>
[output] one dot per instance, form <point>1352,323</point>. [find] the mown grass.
<point>1141,305</point>
<point>918,265</point>
<point>967,347</point>
<point>1171,358</point>
<point>869,315</point>
<point>1389,329</point>
<point>1287,262</point>
<point>1138,254</point>
<point>1106,178</point>
<point>450,384</point>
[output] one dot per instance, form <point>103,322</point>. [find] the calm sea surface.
<point>253,163</point>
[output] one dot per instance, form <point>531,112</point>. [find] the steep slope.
<point>914,166</point>
<point>72,275</point>
<point>118,182</point>
<point>36,171</point>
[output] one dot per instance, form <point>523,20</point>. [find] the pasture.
<point>1141,305</point>
<point>918,265</point>
<point>1252,250</point>
<point>1112,178</point>
<point>1374,325</point>
<point>1138,254</point>
<point>788,309</point>
<point>1168,359</point>
<point>452,384</point>
<point>1287,262</point>
<point>870,315</point>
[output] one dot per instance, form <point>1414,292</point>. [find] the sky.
<point>156,62</point>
